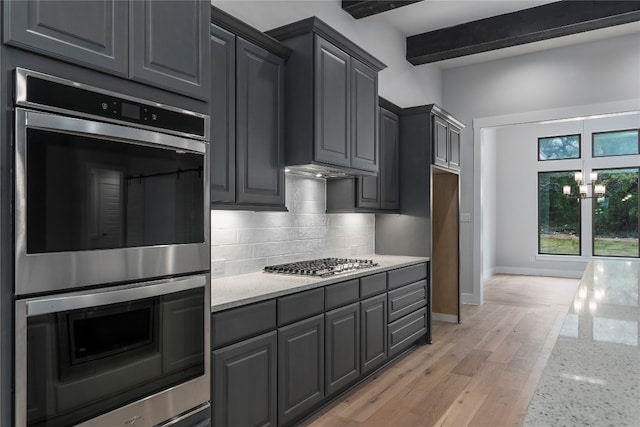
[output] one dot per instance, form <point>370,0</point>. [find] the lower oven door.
<point>127,355</point>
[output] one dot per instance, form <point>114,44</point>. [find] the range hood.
<point>325,171</point>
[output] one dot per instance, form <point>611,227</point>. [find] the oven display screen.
<point>130,111</point>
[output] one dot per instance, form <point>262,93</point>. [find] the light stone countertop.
<point>245,289</point>
<point>592,377</point>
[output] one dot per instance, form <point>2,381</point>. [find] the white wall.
<point>244,242</point>
<point>489,170</point>
<point>400,83</point>
<point>596,73</point>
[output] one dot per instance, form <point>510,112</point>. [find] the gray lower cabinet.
<point>342,352</point>
<point>245,383</point>
<point>373,332</point>
<point>127,39</point>
<point>301,376</point>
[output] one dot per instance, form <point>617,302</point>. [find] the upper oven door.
<point>102,203</point>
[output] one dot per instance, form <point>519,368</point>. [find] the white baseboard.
<point>571,274</point>
<point>451,318</point>
<point>469,299</point>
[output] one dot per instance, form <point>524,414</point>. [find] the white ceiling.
<point>429,15</point>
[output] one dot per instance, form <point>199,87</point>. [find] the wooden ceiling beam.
<point>363,8</point>
<point>539,23</point>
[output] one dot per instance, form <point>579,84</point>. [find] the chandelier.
<point>597,190</point>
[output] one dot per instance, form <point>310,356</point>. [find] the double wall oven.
<point>111,257</point>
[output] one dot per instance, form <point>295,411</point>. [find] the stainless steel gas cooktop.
<point>321,267</point>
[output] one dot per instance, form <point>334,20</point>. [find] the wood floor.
<point>482,372</point>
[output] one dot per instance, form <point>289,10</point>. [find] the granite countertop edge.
<point>245,289</point>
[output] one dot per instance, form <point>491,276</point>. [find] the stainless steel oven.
<point>111,257</point>
<point>126,355</point>
<point>108,188</point>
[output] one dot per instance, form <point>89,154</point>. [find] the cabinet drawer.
<point>239,323</point>
<point>407,299</point>
<point>373,285</point>
<point>404,332</point>
<point>299,306</point>
<point>341,294</point>
<point>406,275</point>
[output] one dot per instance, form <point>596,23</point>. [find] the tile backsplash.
<point>244,242</point>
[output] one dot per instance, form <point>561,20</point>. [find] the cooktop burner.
<point>321,267</point>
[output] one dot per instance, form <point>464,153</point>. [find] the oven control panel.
<point>51,93</point>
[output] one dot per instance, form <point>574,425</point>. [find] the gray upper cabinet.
<point>446,140</point>
<point>223,115</point>
<point>373,193</point>
<point>163,44</point>
<point>170,45</point>
<point>90,33</point>
<point>332,100</point>
<point>259,126</point>
<point>247,116</point>
<point>364,117</point>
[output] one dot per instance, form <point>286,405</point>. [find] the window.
<point>559,147</point>
<point>618,143</point>
<point>615,217</point>
<point>558,217</point>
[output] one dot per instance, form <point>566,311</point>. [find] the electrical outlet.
<point>465,217</point>
<point>217,267</point>
<point>354,250</point>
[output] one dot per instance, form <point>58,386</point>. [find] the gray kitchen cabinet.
<point>169,45</point>
<point>259,126</point>
<point>89,33</point>
<point>373,332</point>
<point>342,351</point>
<point>446,143</point>
<point>223,115</point>
<point>373,193</point>
<point>163,44</point>
<point>301,376</point>
<point>247,116</point>
<point>244,381</point>
<point>332,104</point>
<point>332,121</point>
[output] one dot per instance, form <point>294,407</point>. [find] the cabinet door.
<point>364,117</point>
<point>373,333</point>
<point>454,147</point>
<point>244,383</point>
<point>300,367</point>
<point>90,33</point>
<point>342,353</point>
<point>440,144</point>
<point>368,192</point>
<point>332,104</point>
<point>259,126</point>
<point>223,116</point>
<point>389,173</point>
<point>170,45</point>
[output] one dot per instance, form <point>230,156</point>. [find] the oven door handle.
<point>77,300</point>
<point>72,125</point>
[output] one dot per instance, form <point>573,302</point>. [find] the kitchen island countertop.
<point>235,291</point>
<point>592,377</point>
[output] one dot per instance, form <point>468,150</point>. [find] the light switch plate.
<point>217,267</point>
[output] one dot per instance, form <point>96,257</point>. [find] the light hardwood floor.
<point>482,372</point>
